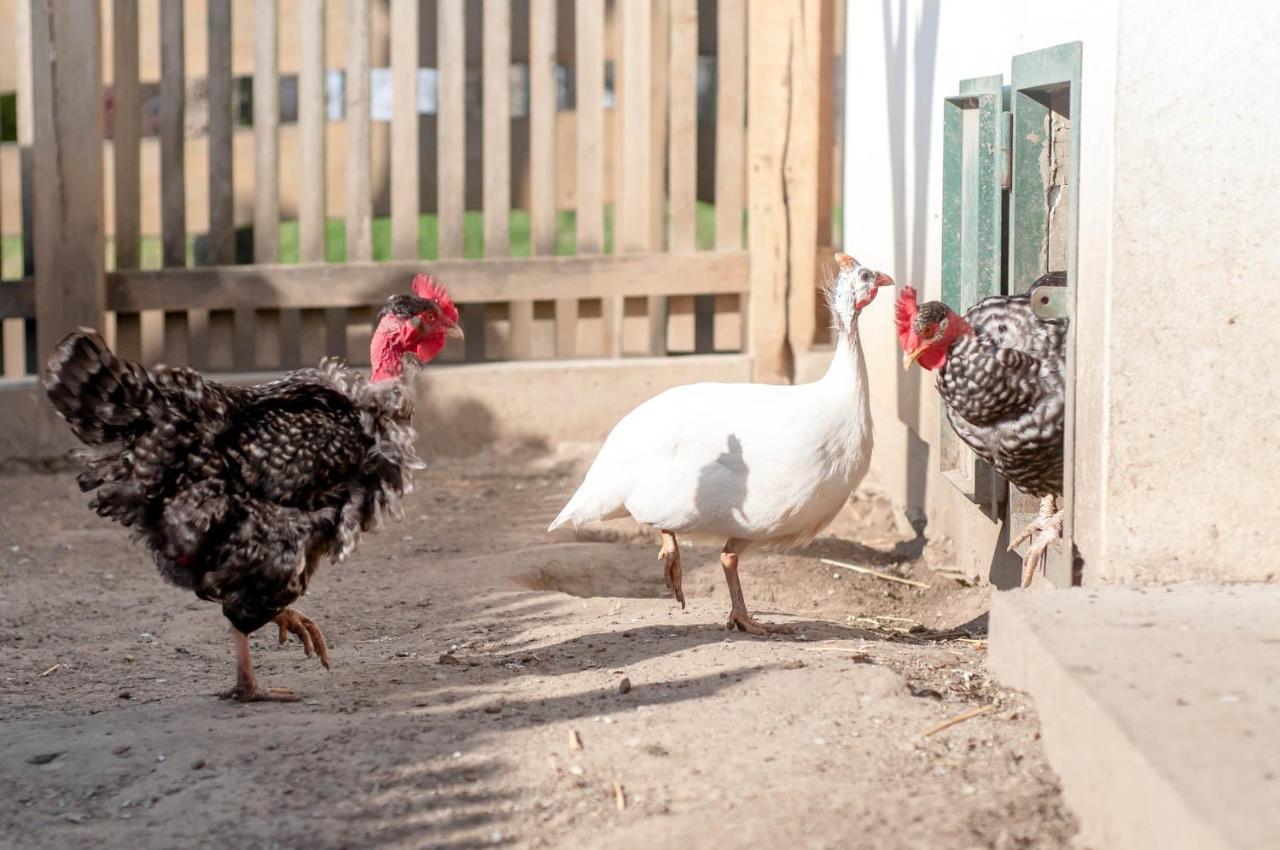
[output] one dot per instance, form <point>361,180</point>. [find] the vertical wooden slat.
<point>173,194</point>
<point>826,119</point>
<point>589,69</point>
<point>731,87</point>
<point>800,171</point>
<point>26,136</point>
<point>404,125</point>
<point>266,166</point>
<point>452,134</point>
<point>682,156</point>
<point>659,72</point>
<point>126,134</point>
<point>316,338</point>
<point>497,127</point>
<point>359,200</point>
<point>68,172</point>
<point>497,146</point>
<point>771,90</point>
<point>222,234</point>
<point>633,209</point>
<point>542,173</point>
<point>731,93</point>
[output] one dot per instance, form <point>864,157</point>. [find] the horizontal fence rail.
<point>577,175</point>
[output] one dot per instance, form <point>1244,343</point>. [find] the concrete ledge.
<point>1160,708</point>
<point>461,409</point>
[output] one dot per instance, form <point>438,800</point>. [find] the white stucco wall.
<point>1179,199</point>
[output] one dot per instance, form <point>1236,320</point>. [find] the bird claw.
<point>313,643</point>
<point>1039,534</point>
<point>743,621</point>
<point>670,557</point>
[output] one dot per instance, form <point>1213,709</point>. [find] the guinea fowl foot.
<point>743,621</point>
<point>1039,534</point>
<point>313,643</point>
<point>670,557</point>
<point>739,618</point>
<point>246,688</point>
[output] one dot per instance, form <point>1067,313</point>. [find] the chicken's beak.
<point>910,357</point>
<point>454,331</point>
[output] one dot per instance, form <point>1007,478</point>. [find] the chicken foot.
<point>289,620</point>
<point>670,557</point>
<point>246,688</point>
<point>739,617</point>
<point>1040,532</point>
<point>293,620</point>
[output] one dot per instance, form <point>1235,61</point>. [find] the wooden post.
<point>782,171</point>
<point>67,94</point>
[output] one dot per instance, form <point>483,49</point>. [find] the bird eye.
<point>431,317</point>
<point>929,330</point>
<point>865,277</point>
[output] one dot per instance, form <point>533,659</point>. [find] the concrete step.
<point>1160,708</point>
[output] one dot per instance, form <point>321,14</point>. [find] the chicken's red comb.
<point>425,286</point>
<point>904,311</point>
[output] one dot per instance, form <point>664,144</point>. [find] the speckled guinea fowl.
<point>1001,375</point>
<point>240,492</point>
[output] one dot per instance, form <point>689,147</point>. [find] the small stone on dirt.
<point>624,687</point>
<point>42,758</point>
<point>792,665</point>
<point>451,660</point>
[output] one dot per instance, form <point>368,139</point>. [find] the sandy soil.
<point>469,648</point>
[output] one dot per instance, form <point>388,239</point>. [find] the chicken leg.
<point>246,688</point>
<point>1040,532</point>
<point>670,557</point>
<point>738,614</point>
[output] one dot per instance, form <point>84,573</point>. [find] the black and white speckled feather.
<point>1004,389</point>
<point>238,492</point>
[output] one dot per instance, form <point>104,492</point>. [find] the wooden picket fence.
<point>655,293</point>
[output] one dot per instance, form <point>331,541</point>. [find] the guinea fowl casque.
<point>1001,377</point>
<point>750,464</point>
<point>239,492</point>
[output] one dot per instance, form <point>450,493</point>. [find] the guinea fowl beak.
<point>910,357</point>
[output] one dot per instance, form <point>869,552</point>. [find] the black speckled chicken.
<point>1001,376</point>
<point>240,492</point>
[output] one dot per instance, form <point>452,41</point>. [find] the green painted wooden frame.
<point>1040,79</point>
<point>973,173</point>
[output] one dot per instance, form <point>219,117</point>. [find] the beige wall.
<point>1177,416</point>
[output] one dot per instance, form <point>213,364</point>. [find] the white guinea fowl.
<point>751,464</point>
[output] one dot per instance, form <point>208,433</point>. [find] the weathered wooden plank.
<point>266,126</point>
<point>589,70</point>
<point>126,132</point>
<point>800,170</point>
<point>359,199</point>
<point>682,143</point>
<point>542,172</point>
<point>404,122</point>
<point>496,150</point>
<point>469,281</point>
<point>314,335</point>
<point>126,161</point>
<point>67,84</point>
<point>173,194</point>
<point>770,43</point>
<point>26,134</point>
<point>633,212</point>
<point>311,132</point>
<point>497,127</point>
<point>826,91</point>
<point>451,143</point>
<point>659,78</point>
<point>221,182</point>
<point>731,87</point>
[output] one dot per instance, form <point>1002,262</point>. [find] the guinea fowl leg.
<point>246,689</point>
<point>738,615</point>
<point>293,620</point>
<point>670,557</point>
<point>1042,531</point>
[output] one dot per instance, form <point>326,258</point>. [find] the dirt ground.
<point>472,652</point>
